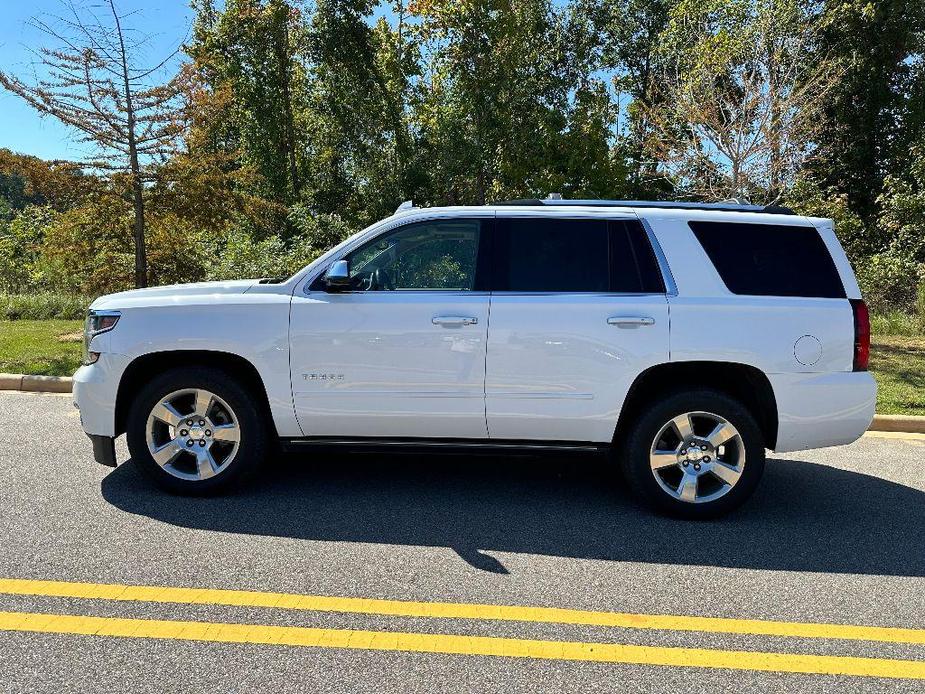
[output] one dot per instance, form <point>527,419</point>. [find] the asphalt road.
<point>834,536</point>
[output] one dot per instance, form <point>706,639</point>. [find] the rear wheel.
<point>195,431</point>
<point>696,454</point>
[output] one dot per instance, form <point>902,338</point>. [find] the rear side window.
<point>573,255</point>
<point>770,259</point>
<point>633,267</point>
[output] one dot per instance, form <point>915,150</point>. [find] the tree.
<point>876,112</point>
<point>631,34</point>
<point>738,106</point>
<point>507,91</point>
<point>94,84</point>
<point>247,57</point>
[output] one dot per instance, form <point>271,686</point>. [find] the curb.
<point>36,384</point>
<point>907,424</point>
<point>903,423</point>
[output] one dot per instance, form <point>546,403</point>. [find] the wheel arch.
<point>143,367</point>
<point>741,381</point>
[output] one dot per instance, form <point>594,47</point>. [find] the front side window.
<point>434,255</point>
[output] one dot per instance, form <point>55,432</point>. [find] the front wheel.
<point>195,431</point>
<point>695,454</point>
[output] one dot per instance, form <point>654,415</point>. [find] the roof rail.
<point>669,205</point>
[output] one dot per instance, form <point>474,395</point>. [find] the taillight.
<point>861,334</point>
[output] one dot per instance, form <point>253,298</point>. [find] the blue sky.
<point>21,128</point>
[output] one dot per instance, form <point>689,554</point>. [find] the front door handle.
<point>454,321</point>
<point>630,321</point>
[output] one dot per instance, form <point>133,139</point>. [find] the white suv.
<point>682,339</point>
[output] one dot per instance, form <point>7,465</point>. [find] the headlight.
<point>97,322</point>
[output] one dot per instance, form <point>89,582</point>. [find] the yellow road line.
<point>401,608</point>
<point>460,645</point>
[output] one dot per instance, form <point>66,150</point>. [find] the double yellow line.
<point>455,644</point>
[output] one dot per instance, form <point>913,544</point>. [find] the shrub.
<point>21,238</point>
<point>43,306</point>
<point>889,281</point>
<point>241,254</point>
<point>920,305</point>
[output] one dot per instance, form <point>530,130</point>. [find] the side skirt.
<point>444,446</point>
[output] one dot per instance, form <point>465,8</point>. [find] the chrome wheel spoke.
<point>226,432</point>
<point>684,426</point>
<point>204,400</point>
<point>722,433</point>
<point>726,473</point>
<point>687,489</point>
<point>167,413</point>
<point>659,460</point>
<point>167,453</point>
<point>206,466</point>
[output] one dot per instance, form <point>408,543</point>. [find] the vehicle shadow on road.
<point>804,516</point>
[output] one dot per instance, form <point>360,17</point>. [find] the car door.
<point>578,310</point>
<point>401,353</point>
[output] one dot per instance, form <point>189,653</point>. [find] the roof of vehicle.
<point>556,201</point>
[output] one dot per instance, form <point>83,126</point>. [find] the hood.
<point>171,293</point>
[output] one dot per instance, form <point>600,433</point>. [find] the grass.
<point>52,347</point>
<point>45,347</point>
<point>898,363</point>
<point>897,323</point>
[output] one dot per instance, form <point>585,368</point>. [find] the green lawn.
<point>49,347</point>
<point>52,347</point>
<point>899,365</point>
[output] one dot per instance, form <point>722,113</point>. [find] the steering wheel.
<point>380,279</point>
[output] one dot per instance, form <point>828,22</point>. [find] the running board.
<point>468,446</point>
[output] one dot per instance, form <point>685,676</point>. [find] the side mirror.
<point>338,275</point>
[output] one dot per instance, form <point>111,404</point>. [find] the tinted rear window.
<point>573,255</point>
<point>633,267</point>
<point>770,259</point>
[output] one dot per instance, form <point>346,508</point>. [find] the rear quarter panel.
<point>820,403</point>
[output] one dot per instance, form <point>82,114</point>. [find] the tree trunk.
<point>138,203</point>
<point>282,57</point>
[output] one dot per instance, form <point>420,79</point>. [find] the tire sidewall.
<point>637,469</point>
<point>251,448</point>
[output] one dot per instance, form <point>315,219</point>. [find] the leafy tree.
<point>876,111</point>
<point>737,113</point>
<point>631,37</point>
<point>247,57</point>
<point>503,92</point>
<point>21,240</point>
<point>95,85</point>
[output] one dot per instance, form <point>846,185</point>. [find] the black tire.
<point>638,470</point>
<point>253,435</point>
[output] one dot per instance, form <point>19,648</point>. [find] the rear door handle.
<point>630,321</point>
<point>454,321</point>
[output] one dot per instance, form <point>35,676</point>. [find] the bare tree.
<point>740,98</point>
<point>91,81</point>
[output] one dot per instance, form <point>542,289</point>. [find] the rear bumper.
<point>817,410</point>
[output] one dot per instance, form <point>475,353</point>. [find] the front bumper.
<point>95,389</point>
<point>104,449</point>
<point>818,410</point>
